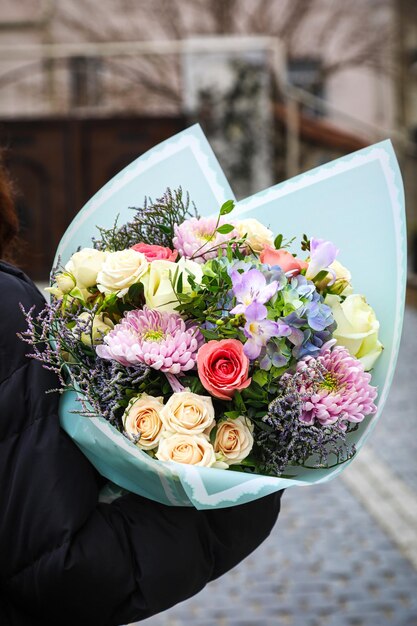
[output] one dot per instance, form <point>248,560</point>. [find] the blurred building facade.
<point>278,85</point>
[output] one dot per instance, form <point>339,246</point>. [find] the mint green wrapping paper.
<point>356,201</point>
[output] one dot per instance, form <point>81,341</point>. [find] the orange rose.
<point>284,259</point>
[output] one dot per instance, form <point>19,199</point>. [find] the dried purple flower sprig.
<point>152,223</point>
<point>284,440</point>
<point>62,341</point>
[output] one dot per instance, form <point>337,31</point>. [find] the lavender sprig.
<point>283,439</point>
<point>62,341</point>
<point>153,223</point>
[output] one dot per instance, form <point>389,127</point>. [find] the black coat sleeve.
<point>67,559</point>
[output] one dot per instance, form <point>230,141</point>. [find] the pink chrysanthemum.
<point>197,238</point>
<point>336,388</point>
<point>159,339</point>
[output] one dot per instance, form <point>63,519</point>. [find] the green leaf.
<point>260,377</point>
<point>278,241</point>
<point>179,284</point>
<point>76,293</point>
<point>135,292</point>
<point>225,229</point>
<point>233,415</point>
<point>209,334</point>
<point>213,434</point>
<point>320,276</point>
<point>165,229</point>
<point>227,207</point>
<point>238,402</point>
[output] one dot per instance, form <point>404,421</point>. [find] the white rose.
<point>189,449</point>
<point>161,278</point>
<point>234,440</point>
<point>188,413</point>
<point>258,235</point>
<point>120,271</point>
<point>101,325</point>
<point>357,328</point>
<point>64,282</point>
<point>85,265</point>
<point>142,418</point>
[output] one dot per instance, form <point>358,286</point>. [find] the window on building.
<point>306,74</point>
<point>85,81</point>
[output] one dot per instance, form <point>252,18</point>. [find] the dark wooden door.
<point>57,165</point>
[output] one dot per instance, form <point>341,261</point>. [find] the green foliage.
<point>227,207</point>
<point>305,243</point>
<point>225,229</point>
<point>278,241</point>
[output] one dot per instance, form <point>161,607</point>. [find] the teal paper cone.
<point>356,201</point>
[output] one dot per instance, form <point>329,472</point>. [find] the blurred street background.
<point>279,87</point>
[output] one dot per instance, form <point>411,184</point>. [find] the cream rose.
<point>257,235</point>
<point>85,265</point>
<point>188,413</point>
<point>101,325</point>
<point>162,276</point>
<point>342,280</point>
<point>234,440</point>
<point>65,282</point>
<point>357,327</point>
<point>142,419</point>
<point>120,271</point>
<point>189,449</point>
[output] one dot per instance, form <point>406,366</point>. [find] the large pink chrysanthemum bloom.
<point>159,339</point>
<point>336,388</point>
<point>197,238</point>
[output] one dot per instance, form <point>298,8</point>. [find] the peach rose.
<point>234,440</point>
<point>155,253</point>
<point>143,417</point>
<point>189,449</point>
<point>223,367</point>
<point>188,413</point>
<point>284,259</point>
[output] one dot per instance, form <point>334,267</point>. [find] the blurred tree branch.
<point>340,34</point>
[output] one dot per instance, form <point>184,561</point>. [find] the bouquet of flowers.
<point>208,343</point>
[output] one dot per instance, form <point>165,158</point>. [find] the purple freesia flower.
<point>259,330</point>
<point>322,254</point>
<point>251,287</point>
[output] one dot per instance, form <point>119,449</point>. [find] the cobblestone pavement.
<point>395,436</point>
<point>328,561</point>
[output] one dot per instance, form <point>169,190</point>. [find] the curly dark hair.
<point>9,223</point>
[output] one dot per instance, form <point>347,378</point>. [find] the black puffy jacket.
<point>66,559</point>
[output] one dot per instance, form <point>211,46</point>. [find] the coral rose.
<point>155,253</point>
<point>223,368</point>
<point>284,259</point>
